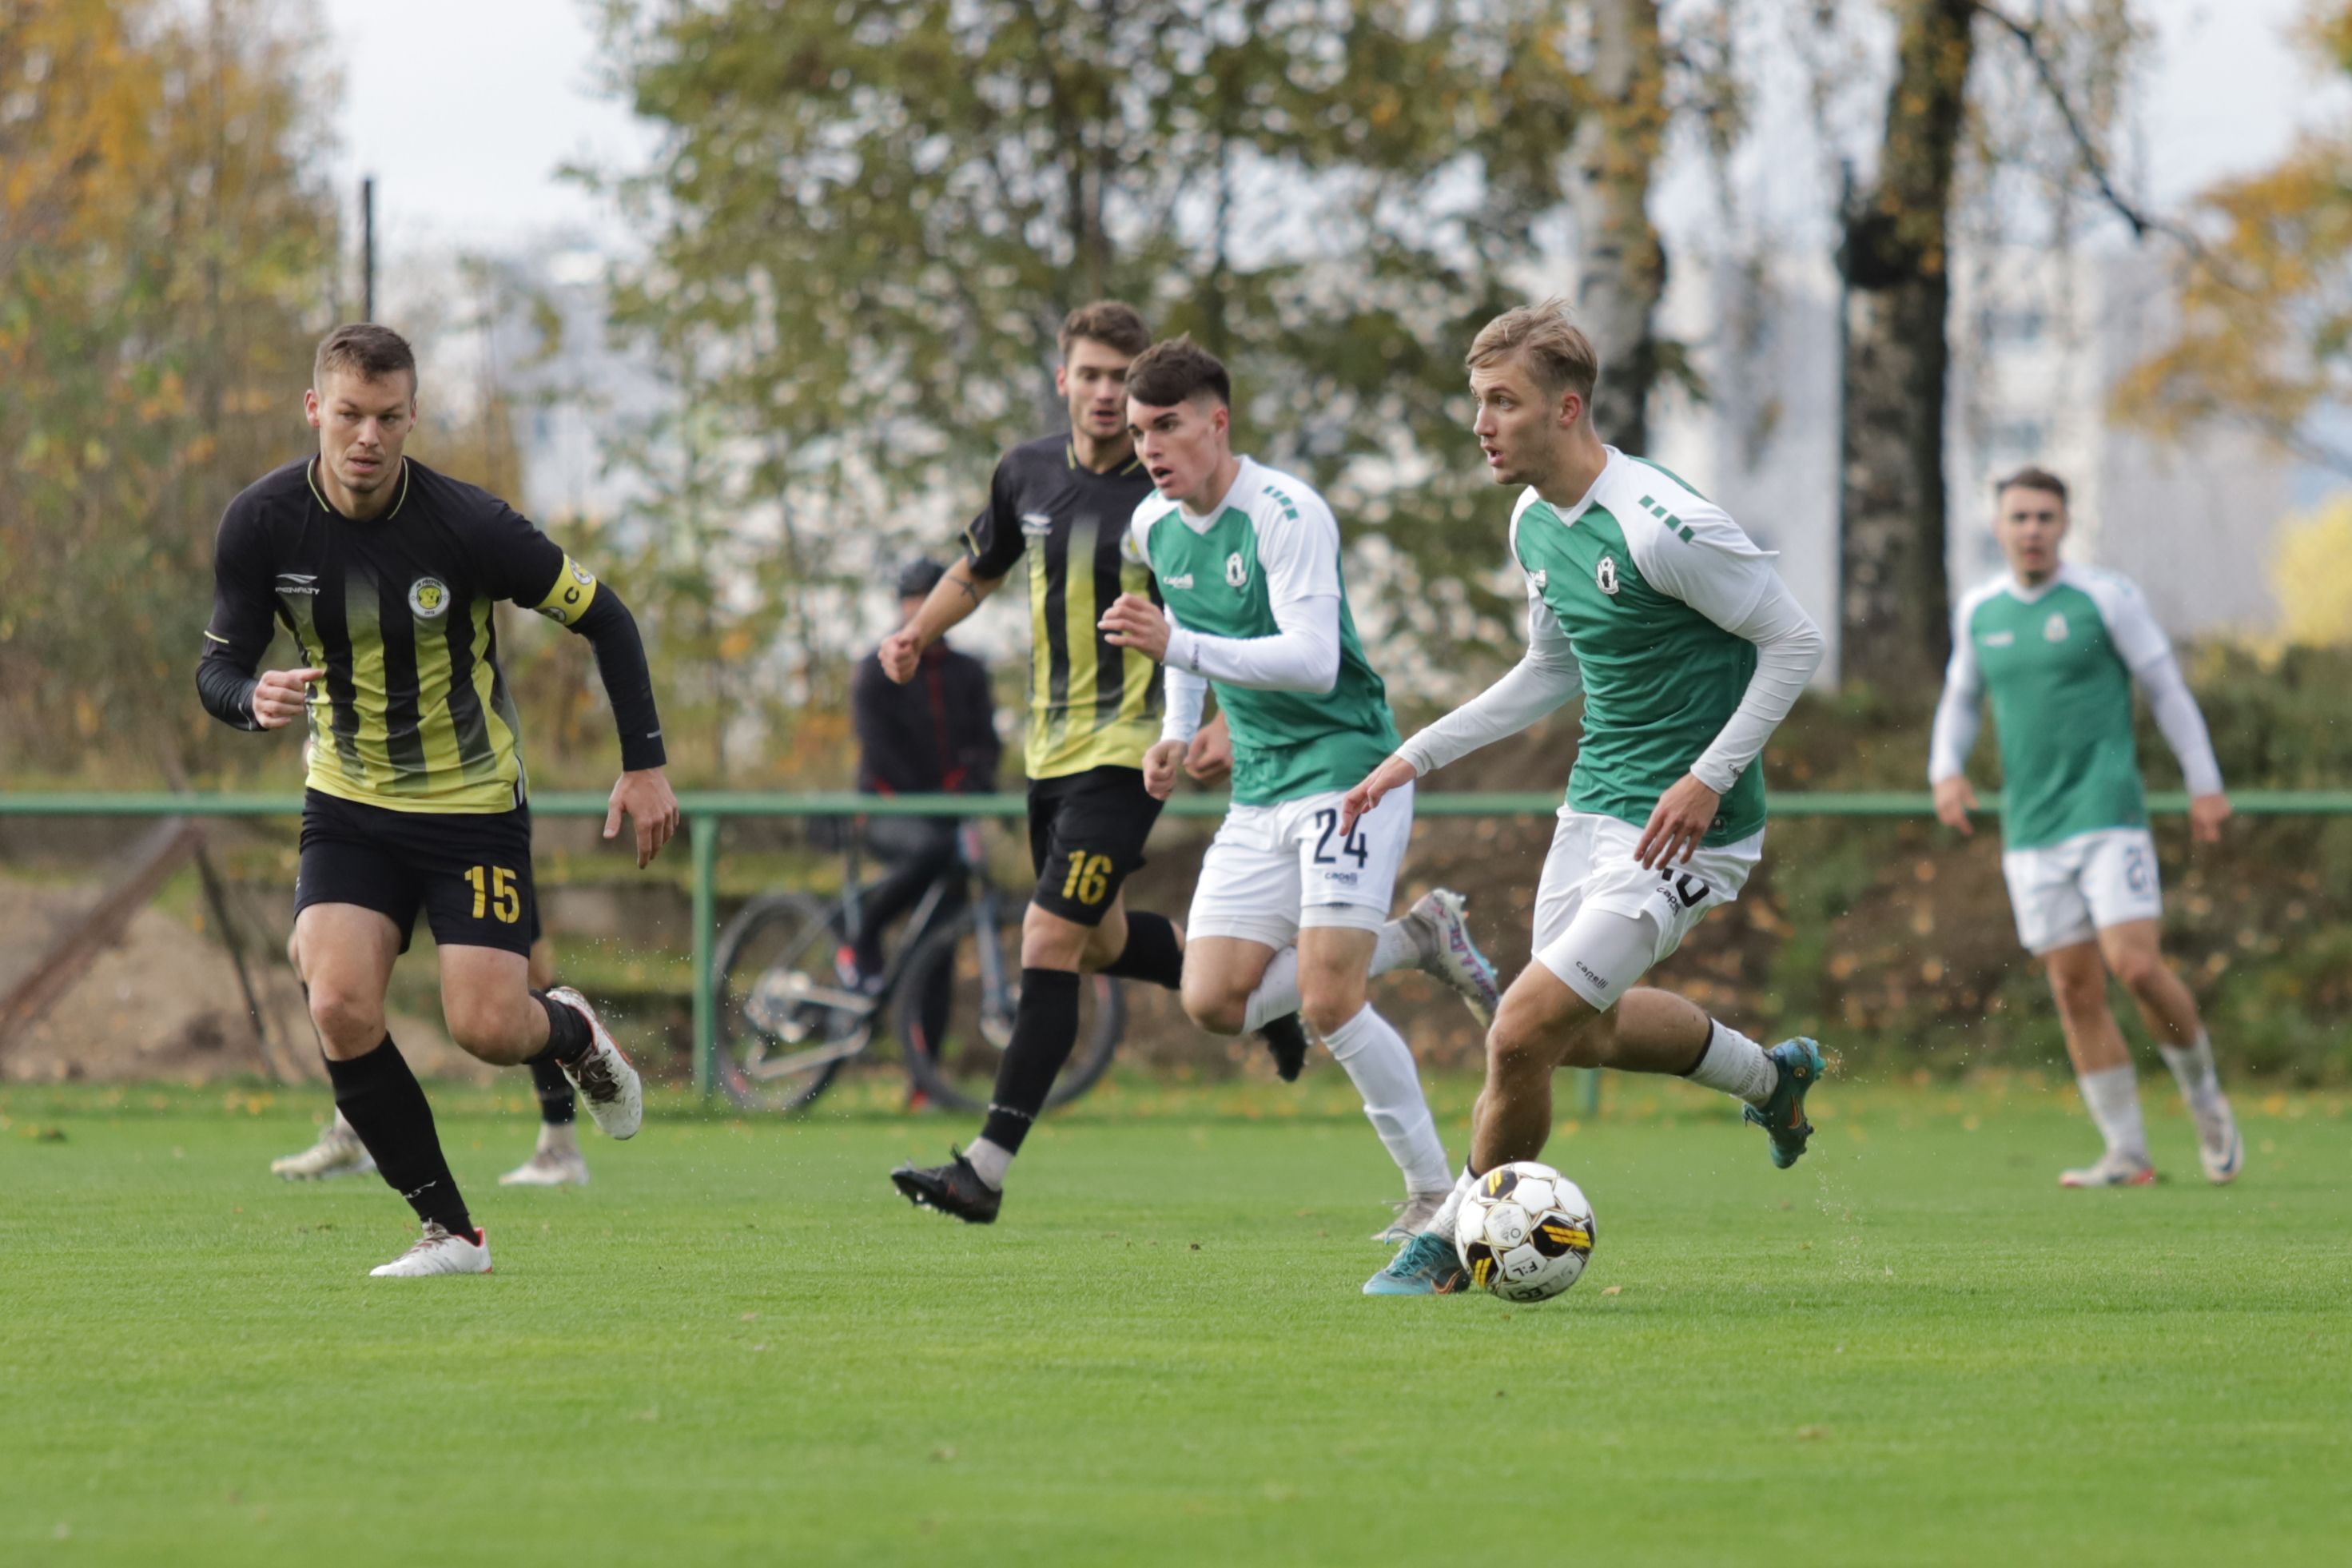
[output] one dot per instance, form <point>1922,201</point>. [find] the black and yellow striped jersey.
<point>1091,705</point>
<point>413,714</point>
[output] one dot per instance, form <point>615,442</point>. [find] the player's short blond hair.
<point>1553,345</point>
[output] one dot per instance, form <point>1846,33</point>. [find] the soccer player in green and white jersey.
<point>1290,912</point>
<point>2058,648</point>
<point>1690,651</point>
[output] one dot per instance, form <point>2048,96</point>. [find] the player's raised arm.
<point>2148,654</point>
<point>243,607</point>
<point>1187,697</point>
<point>1960,712</point>
<point>1714,567</point>
<point>526,567</point>
<point>993,543</point>
<point>1301,558</point>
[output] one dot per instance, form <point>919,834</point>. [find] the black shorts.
<point>469,873</point>
<point>1086,835</point>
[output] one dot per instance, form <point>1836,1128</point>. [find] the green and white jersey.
<point>2059,660</point>
<point>1256,592</point>
<point>1644,575</point>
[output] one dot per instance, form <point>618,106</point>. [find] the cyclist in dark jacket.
<point>935,735</point>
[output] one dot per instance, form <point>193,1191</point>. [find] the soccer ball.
<point>1524,1232</point>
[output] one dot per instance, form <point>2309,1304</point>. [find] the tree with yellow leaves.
<point>166,256</point>
<point>2265,341</point>
<point>2311,571</point>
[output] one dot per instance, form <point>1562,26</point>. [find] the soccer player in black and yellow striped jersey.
<point>386,574</point>
<point>1063,502</point>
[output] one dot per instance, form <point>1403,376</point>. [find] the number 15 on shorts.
<point>495,893</point>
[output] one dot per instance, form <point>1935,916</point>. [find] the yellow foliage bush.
<point>2311,571</point>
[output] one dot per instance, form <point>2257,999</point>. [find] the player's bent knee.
<point>1328,1013</point>
<point>351,1024</point>
<point>2139,972</point>
<point>1216,1011</point>
<point>492,1031</point>
<point>1515,1048</point>
<point>1049,941</point>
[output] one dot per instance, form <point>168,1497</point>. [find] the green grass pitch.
<point>740,1347</point>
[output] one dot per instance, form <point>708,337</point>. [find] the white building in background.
<point>2042,341</point>
<point>2039,340</point>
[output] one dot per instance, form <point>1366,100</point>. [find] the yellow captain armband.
<point>574,590</point>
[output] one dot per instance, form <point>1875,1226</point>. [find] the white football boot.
<point>2114,1169</point>
<point>2218,1148</point>
<point>615,1094</point>
<point>439,1251</point>
<point>1448,955</point>
<point>1412,1217</point>
<point>556,1163</point>
<point>338,1153</point>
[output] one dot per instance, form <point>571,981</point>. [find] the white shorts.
<point>2068,892</point>
<point>1591,885</point>
<point>1274,868</point>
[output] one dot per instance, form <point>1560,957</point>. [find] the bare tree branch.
<point>2094,163</point>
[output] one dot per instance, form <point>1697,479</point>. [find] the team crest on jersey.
<point>429,597</point>
<point>1236,571</point>
<point>1604,576</point>
<point>1036,524</point>
<point>2055,628</point>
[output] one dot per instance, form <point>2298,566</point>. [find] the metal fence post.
<point>705,829</point>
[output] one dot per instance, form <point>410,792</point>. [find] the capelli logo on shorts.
<point>1686,888</point>
<point>1586,970</point>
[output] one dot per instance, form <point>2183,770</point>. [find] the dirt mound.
<point>163,1003</point>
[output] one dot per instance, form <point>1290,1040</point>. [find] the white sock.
<point>1738,1066</point>
<point>1397,949</point>
<point>1442,1222</point>
<point>558,1138</point>
<point>2192,1069</point>
<point>2112,1096</point>
<point>1277,992</point>
<point>991,1161</point>
<point>1380,1066</point>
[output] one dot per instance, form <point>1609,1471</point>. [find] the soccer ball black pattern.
<point>1524,1232</point>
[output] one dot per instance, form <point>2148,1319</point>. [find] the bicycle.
<point>789,1022</point>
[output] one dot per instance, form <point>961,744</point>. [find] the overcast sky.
<point>465,141</point>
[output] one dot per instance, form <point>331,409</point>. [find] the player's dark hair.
<point>2032,479</point>
<point>368,351</point>
<point>1109,323</point>
<point>1177,372</point>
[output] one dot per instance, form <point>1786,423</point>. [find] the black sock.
<point>557,1107</point>
<point>1153,952</point>
<point>386,1107</point>
<point>1045,1029</point>
<point>568,1038</point>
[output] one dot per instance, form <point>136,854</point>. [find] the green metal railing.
<point>704,812</point>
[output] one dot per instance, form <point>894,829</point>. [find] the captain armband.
<point>574,590</point>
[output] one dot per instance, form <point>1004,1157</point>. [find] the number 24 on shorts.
<point>1354,846</point>
<point>495,893</point>
<point>1089,877</point>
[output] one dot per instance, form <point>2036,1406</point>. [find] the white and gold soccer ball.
<point>1524,1232</point>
